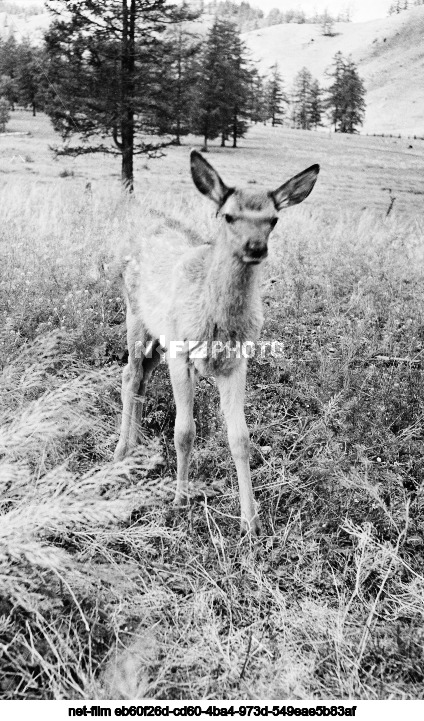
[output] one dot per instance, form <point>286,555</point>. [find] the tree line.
<point>12,8</point>
<point>130,77</point>
<point>249,17</point>
<point>22,78</point>
<point>400,5</point>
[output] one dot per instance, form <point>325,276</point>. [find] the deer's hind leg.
<point>142,360</point>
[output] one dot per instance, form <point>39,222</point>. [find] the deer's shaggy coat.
<point>208,295</point>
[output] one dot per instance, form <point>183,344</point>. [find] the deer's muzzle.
<point>255,252</point>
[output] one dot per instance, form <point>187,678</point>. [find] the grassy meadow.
<point>105,591</point>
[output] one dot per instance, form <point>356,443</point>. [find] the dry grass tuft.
<point>104,590</point>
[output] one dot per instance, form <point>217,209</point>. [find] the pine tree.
<point>306,101</point>
<point>239,90</point>
<point>222,91</point>
<point>334,102</point>
<point>346,96</point>
<point>257,106</point>
<point>9,90</point>
<point>210,88</point>
<point>31,80</point>
<point>4,113</point>
<point>302,100</point>
<point>353,110</point>
<point>8,70</point>
<point>274,17</point>
<point>275,96</point>
<point>177,83</point>
<point>327,24</point>
<point>316,104</point>
<point>105,64</point>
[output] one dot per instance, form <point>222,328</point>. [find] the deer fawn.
<point>196,302</point>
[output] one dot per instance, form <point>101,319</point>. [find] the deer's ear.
<point>207,180</point>
<point>296,189</point>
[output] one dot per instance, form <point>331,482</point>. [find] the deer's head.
<point>248,215</point>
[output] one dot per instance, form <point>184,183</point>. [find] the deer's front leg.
<point>131,379</point>
<point>183,383</point>
<point>232,391</point>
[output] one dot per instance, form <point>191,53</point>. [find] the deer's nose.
<point>255,251</point>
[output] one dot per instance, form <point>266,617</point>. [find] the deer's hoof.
<point>251,528</point>
<point>181,500</point>
<point>120,452</point>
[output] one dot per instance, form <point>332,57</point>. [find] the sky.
<point>362,10</point>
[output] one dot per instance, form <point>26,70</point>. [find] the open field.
<point>356,171</point>
<point>105,592</point>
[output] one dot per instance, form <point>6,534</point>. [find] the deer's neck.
<point>232,292</point>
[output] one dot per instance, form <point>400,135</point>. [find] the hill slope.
<point>24,26</point>
<point>389,53</point>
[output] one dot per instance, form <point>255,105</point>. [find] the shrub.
<point>4,113</point>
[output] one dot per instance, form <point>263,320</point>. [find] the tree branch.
<point>77,150</point>
<point>115,138</point>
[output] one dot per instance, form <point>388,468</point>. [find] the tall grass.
<point>104,590</point>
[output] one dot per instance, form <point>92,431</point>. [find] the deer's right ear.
<point>207,180</point>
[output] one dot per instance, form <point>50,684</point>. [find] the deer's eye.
<point>274,222</point>
<point>229,218</point>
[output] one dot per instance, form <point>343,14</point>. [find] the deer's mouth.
<point>254,257</point>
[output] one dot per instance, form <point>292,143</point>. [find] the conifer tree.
<point>31,79</point>
<point>222,91</point>
<point>210,88</point>
<point>334,101</point>
<point>176,90</point>
<point>302,100</point>
<point>316,104</point>
<point>8,71</point>
<point>346,96</point>
<point>4,113</point>
<point>105,64</point>
<point>257,107</point>
<point>276,97</point>
<point>239,89</point>
<point>353,109</point>
<point>327,24</point>
<point>306,101</point>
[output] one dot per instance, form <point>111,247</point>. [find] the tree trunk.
<point>206,134</point>
<point>235,128</point>
<point>127,167</point>
<point>127,93</point>
<point>34,109</point>
<point>223,140</point>
<point>179,87</point>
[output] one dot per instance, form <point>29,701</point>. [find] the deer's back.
<point>164,276</point>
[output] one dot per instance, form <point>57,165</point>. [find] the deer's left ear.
<point>296,189</point>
